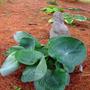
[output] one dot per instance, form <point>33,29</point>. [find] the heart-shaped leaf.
<point>35,72</point>
<point>10,65</point>
<point>56,80</point>
<point>28,56</point>
<point>18,36</point>
<point>67,50</point>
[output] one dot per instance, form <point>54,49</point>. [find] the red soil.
<point>25,15</point>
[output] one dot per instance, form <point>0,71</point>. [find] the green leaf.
<point>49,10</point>
<point>33,73</point>
<point>80,18</point>
<point>56,80</point>
<point>68,18</point>
<point>20,34</point>
<point>27,39</point>
<point>13,49</point>
<point>27,43</point>
<point>28,56</point>
<point>67,50</point>
<point>52,9</point>
<point>43,50</point>
<point>55,9</point>
<point>66,15</point>
<point>10,65</point>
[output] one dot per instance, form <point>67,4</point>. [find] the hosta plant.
<point>48,66</point>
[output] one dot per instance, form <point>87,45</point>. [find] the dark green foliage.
<point>65,49</point>
<point>48,65</point>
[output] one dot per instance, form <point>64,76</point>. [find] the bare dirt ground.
<point>25,15</point>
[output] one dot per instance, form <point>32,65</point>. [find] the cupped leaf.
<point>27,43</point>
<point>20,35</point>
<point>33,73</point>
<point>28,56</point>
<point>56,80</point>
<point>10,65</point>
<point>80,18</point>
<point>67,50</point>
<point>13,49</point>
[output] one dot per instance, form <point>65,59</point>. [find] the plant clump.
<point>48,66</point>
